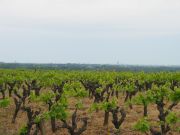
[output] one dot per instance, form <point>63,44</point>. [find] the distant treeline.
<point>89,67</point>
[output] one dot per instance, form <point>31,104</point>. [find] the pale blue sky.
<point>139,32</point>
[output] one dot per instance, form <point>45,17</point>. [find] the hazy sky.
<point>90,31</point>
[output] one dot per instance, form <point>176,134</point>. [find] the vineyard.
<point>60,102</point>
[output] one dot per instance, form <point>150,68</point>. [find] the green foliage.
<point>143,98</point>
<point>45,97</point>
<point>59,109</point>
<point>106,106</point>
<point>33,97</point>
<point>94,107</point>
<point>118,87</point>
<point>1,81</point>
<point>109,105</point>
<point>99,90</point>
<point>23,130</point>
<point>175,96</point>
<point>130,86</point>
<point>160,93</point>
<point>142,125</point>
<point>44,116</point>
<point>77,84</point>
<point>4,103</point>
<point>79,104</point>
<point>172,118</point>
<point>75,89</point>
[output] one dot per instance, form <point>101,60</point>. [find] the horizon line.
<point>54,63</point>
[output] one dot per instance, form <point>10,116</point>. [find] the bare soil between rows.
<point>95,121</point>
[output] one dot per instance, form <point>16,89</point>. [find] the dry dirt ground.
<point>95,122</point>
